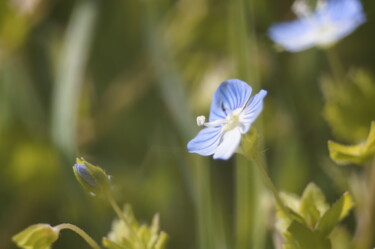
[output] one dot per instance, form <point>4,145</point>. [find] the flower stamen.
<point>201,120</point>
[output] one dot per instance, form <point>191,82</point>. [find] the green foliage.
<point>341,238</point>
<point>314,219</point>
<point>38,236</point>
<point>349,105</point>
<point>336,213</point>
<point>92,178</point>
<point>14,26</point>
<point>358,154</point>
<point>136,236</point>
<point>312,205</point>
<point>301,237</point>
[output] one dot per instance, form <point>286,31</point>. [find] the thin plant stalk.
<point>335,64</point>
<point>267,180</point>
<point>197,174</point>
<point>249,224</point>
<point>80,232</point>
<point>120,214</point>
<point>366,216</point>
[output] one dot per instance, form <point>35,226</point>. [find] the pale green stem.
<point>249,221</point>
<point>80,232</point>
<point>121,215</point>
<point>335,64</point>
<point>366,215</point>
<point>270,185</point>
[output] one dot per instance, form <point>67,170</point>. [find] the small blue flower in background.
<point>232,113</point>
<point>331,21</point>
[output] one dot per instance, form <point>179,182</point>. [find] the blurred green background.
<point>120,83</point>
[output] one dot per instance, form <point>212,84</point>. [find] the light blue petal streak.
<point>231,140</point>
<point>346,15</point>
<point>230,95</point>
<point>343,10</point>
<point>252,110</point>
<point>206,142</point>
<point>84,173</point>
<point>293,36</point>
<point>342,16</point>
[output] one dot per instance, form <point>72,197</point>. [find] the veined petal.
<point>230,141</point>
<point>206,142</point>
<point>294,36</point>
<point>230,95</point>
<point>252,110</point>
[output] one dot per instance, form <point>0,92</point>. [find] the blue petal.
<point>206,142</point>
<point>343,10</point>
<point>252,110</point>
<point>346,15</point>
<point>231,140</point>
<point>230,95</point>
<point>84,173</point>
<point>294,36</point>
<point>342,15</point>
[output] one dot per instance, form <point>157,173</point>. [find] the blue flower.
<point>331,21</point>
<point>232,113</point>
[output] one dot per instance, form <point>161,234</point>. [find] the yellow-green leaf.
<point>301,237</point>
<point>313,205</point>
<point>38,236</point>
<point>358,154</point>
<point>349,105</point>
<point>336,213</point>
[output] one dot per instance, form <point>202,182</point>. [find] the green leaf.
<point>38,236</point>
<point>301,237</point>
<point>132,235</point>
<point>349,105</point>
<point>313,205</point>
<point>341,238</point>
<point>336,213</point>
<point>358,154</point>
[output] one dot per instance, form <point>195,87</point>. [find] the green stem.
<point>250,222</point>
<point>268,182</point>
<point>335,64</point>
<point>366,213</point>
<point>120,214</point>
<point>80,232</point>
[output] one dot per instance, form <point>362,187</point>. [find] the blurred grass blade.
<point>70,74</point>
<point>249,223</point>
<point>198,173</point>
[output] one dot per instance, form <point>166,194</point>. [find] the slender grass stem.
<point>335,64</point>
<point>269,183</point>
<point>366,215</point>
<point>80,232</point>
<point>249,223</point>
<point>121,215</point>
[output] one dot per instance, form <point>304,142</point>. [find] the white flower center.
<point>325,33</point>
<point>231,121</point>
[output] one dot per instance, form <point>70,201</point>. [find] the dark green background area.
<point>150,68</point>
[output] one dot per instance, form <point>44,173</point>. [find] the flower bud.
<point>38,236</point>
<point>92,178</point>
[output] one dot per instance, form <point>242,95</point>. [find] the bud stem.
<point>121,215</point>
<point>80,232</point>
